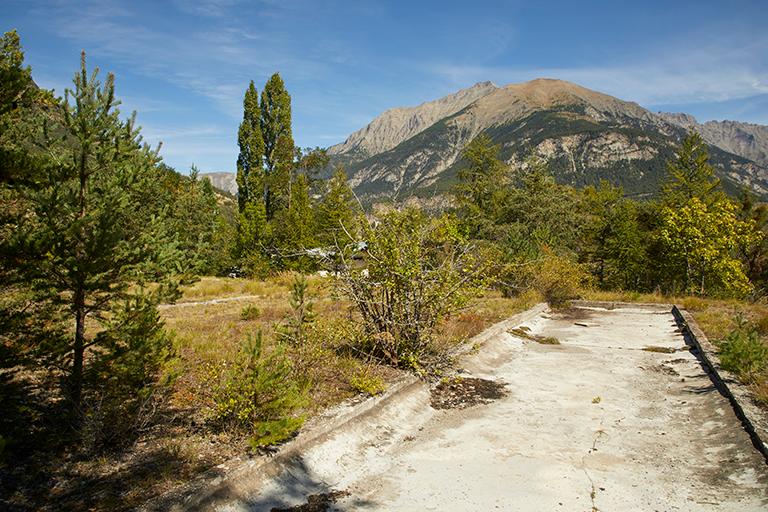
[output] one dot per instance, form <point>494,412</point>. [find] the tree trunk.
<point>76,378</point>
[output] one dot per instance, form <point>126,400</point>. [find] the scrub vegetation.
<point>129,363</point>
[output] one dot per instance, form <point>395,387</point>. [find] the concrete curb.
<point>614,304</point>
<point>753,419</point>
<point>216,485</point>
<point>499,328</point>
<point>220,484</point>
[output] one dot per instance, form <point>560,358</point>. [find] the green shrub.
<point>744,353</point>
<point>363,382</point>
<point>258,394</point>
<point>417,271</point>
<point>557,278</point>
<point>250,312</point>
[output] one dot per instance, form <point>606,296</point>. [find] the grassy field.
<point>208,325</point>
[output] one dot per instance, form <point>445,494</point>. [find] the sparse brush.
<point>364,382</point>
<point>744,353</point>
<point>250,312</point>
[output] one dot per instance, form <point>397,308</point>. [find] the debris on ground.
<point>661,350</point>
<point>524,333</point>
<point>315,502</point>
<point>463,392</point>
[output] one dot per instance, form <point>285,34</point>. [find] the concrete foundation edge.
<point>752,417</point>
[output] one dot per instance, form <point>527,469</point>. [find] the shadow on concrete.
<point>718,384</point>
<point>295,488</point>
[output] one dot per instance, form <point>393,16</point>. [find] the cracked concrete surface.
<point>595,423</point>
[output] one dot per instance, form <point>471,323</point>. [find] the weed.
<point>660,350</point>
<point>744,353</point>
<point>364,382</point>
<point>250,312</point>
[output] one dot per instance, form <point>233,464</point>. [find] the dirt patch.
<point>523,332</point>
<point>660,350</point>
<point>315,502</point>
<point>572,313</point>
<point>463,392</point>
<point>667,370</point>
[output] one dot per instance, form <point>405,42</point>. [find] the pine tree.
<point>94,232</point>
<point>690,174</point>
<point>337,211</point>
<point>250,174</point>
<point>197,220</point>
<point>278,145</point>
<point>482,188</point>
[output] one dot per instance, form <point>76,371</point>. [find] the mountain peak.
<point>401,123</point>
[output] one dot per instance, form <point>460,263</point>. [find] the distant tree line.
<point>692,239</point>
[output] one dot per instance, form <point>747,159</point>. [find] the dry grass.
<point>210,334</point>
<point>492,307</point>
<point>207,336</point>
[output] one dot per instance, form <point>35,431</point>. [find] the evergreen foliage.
<point>302,316</point>
<point>92,232</point>
<point>296,214</point>
<point>337,212</point>
<point>259,395</point>
<point>690,175</point>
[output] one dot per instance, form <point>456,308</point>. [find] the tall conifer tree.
<point>336,213</point>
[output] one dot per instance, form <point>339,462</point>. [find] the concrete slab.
<point>594,423</point>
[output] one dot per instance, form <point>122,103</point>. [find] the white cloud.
<point>717,71</point>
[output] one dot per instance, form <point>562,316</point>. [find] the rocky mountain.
<point>222,180</point>
<point>743,139</point>
<point>399,124</point>
<point>585,135</point>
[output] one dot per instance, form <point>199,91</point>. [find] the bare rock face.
<point>222,180</point>
<point>744,139</point>
<point>398,124</point>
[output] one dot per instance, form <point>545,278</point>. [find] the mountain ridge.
<point>586,135</point>
<point>397,124</point>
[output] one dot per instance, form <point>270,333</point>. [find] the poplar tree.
<point>278,145</point>
<point>250,175</point>
<point>298,223</point>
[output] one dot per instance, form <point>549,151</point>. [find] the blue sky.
<point>184,65</point>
